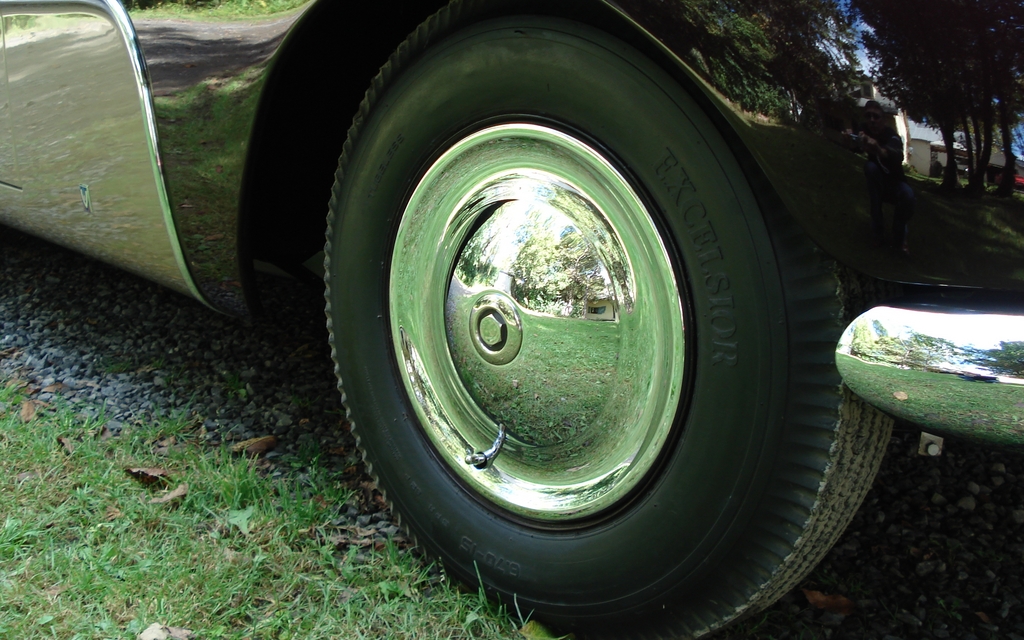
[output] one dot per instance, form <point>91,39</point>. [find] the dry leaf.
<point>69,446</point>
<point>22,477</point>
<point>900,395</point>
<point>534,630</point>
<point>28,410</point>
<point>353,537</point>
<point>112,513</point>
<point>164,447</point>
<point>148,475</point>
<point>337,451</point>
<point>53,388</point>
<point>515,384</point>
<point>983,617</point>
<point>157,631</point>
<point>180,492</point>
<point>105,433</point>
<point>831,603</point>
<point>189,65</point>
<point>255,446</point>
<point>214,237</point>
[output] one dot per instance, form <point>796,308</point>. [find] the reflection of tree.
<point>778,57</point>
<point>956,65</point>
<point>872,342</point>
<point>1007,360</point>
<point>557,274</point>
<point>476,263</point>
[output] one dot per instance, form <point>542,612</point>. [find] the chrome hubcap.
<point>538,322</point>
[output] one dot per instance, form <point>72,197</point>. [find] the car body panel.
<point>84,140</point>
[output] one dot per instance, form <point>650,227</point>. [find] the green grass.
<point>85,554</point>
<point>934,399</point>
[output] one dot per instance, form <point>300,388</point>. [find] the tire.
<point>723,460</point>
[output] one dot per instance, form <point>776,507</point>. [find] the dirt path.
<point>181,53</point>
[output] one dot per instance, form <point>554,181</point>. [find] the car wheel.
<point>589,371</point>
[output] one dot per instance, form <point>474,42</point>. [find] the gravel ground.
<point>129,351</point>
<point>936,551</point>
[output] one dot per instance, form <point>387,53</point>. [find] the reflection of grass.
<point>562,378</point>
<point>203,133</point>
<point>215,10</point>
<point>934,398</point>
<point>953,239</point>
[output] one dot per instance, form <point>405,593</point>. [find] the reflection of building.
<point>923,147</point>
<point>928,154</point>
<point>601,310</point>
<point>504,282</point>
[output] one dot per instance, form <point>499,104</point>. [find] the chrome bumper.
<point>954,371</point>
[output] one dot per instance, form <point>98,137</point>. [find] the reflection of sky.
<point>979,331</point>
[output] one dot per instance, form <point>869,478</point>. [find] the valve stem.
<point>482,459</point>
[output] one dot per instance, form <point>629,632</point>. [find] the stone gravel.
<point>936,551</point>
<point>126,351</point>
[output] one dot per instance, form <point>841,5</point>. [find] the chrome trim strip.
<point>120,15</point>
<point>952,370</point>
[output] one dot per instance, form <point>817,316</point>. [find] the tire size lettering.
<point>413,485</point>
<point>379,419</point>
<point>704,239</point>
<point>384,165</point>
<point>443,521</point>
<point>490,560</point>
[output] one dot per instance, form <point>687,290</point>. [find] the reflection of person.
<point>884,173</point>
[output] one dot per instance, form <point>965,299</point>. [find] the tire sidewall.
<point>670,539</point>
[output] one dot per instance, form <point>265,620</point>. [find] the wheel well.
<point>315,85</point>
<point>313,88</point>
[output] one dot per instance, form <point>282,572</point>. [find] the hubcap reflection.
<point>537,321</point>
